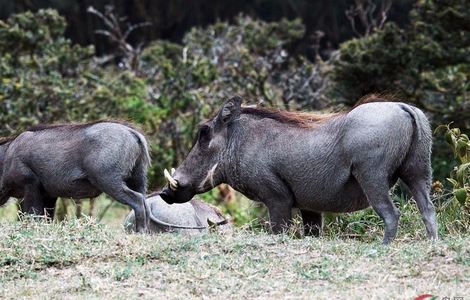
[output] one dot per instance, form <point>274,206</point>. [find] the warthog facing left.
<point>335,163</point>
<point>75,161</point>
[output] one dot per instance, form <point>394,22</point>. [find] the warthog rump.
<point>318,163</point>
<point>192,217</point>
<point>75,161</point>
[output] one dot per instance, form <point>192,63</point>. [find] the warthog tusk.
<point>173,171</point>
<point>171,181</point>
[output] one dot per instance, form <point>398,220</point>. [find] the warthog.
<point>75,161</point>
<point>318,163</point>
<point>192,217</point>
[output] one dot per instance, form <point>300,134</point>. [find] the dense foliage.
<point>46,79</point>
<point>169,88</point>
<point>460,175</point>
<point>170,20</point>
<point>426,63</point>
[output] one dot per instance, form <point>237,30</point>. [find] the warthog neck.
<point>230,160</point>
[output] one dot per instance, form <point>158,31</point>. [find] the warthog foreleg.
<point>280,215</point>
<point>32,202</point>
<point>49,206</point>
<point>312,222</point>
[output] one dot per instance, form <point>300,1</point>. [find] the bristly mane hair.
<point>294,118</point>
<point>4,140</point>
<point>307,119</point>
<point>377,97</point>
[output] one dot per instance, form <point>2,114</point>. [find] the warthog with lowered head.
<point>75,161</point>
<point>318,163</point>
<point>192,217</point>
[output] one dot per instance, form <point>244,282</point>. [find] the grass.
<point>77,259</point>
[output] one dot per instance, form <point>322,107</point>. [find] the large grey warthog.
<point>75,161</point>
<point>192,217</point>
<point>318,163</point>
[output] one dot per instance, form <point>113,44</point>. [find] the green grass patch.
<point>80,259</point>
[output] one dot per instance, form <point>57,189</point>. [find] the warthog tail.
<point>421,123</point>
<point>144,158</point>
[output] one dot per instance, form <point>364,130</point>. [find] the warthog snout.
<point>177,191</point>
<point>167,195</point>
<point>180,196</point>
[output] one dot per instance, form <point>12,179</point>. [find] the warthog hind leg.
<point>118,190</point>
<point>139,207</point>
<point>376,189</point>
<point>420,187</point>
<point>421,192</point>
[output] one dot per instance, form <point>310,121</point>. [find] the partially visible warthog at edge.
<point>75,161</point>
<point>191,217</point>
<point>318,163</point>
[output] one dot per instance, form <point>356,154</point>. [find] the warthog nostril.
<point>171,181</point>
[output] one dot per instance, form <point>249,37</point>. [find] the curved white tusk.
<point>171,181</point>
<point>173,171</point>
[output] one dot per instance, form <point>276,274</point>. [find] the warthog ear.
<point>230,111</point>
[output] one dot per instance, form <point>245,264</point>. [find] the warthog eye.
<point>204,135</point>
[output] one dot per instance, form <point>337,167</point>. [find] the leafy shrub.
<point>43,76</point>
<point>251,58</point>
<point>427,63</point>
<point>460,175</point>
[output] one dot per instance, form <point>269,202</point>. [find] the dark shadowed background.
<point>170,20</point>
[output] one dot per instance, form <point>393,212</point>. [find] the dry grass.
<point>81,259</point>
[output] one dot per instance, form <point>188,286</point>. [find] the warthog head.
<point>203,168</point>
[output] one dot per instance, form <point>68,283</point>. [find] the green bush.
<point>251,58</point>
<point>46,79</point>
<point>43,76</point>
<point>427,63</point>
<point>460,175</point>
